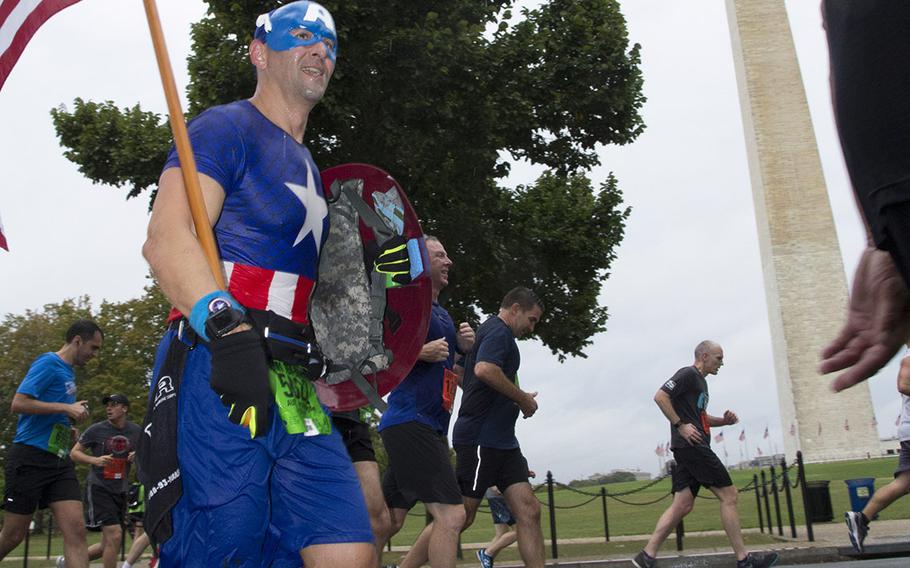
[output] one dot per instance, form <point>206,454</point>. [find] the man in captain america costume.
<point>256,476</point>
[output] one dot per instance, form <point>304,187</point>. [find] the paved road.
<point>881,563</point>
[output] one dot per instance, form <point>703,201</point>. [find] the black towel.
<point>157,451</point>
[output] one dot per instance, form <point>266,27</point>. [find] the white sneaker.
<point>61,562</point>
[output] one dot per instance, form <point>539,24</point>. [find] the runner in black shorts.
<point>39,472</point>
<point>684,401</point>
<point>486,448</point>
<point>109,447</point>
<point>413,430</point>
<point>354,428</point>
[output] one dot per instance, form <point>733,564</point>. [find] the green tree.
<point>443,95</point>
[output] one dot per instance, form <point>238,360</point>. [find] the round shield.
<point>362,319</point>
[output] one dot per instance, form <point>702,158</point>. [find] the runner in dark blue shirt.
<point>414,428</point>
<point>484,435</point>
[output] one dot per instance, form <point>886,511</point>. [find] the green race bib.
<point>295,397</point>
<point>59,441</point>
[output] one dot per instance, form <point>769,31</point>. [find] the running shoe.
<point>757,560</point>
<point>61,562</point>
<point>486,561</point>
<point>856,528</point>
<point>644,560</point>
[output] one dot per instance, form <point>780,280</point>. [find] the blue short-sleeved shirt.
<point>49,379</point>
<point>487,417</point>
<point>419,397</point>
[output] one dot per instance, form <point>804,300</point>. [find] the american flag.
<point>3,243</point>
<point>792,429</point>
<point>659,450</point>
<point>719,438</point>
<point>758,451</point>
<point>19,20</point>
<point>846,425</point>
<point>766,432</point>
<point>742,435</point>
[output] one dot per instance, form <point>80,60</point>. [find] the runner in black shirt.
<point>684,401</point>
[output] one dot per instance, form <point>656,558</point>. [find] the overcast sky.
<point>689,267</point>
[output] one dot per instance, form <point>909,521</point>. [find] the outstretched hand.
<point>878,322</point>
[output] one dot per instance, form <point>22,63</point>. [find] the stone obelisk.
<point>805,283</point>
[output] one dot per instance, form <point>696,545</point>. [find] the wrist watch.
<point>223,318</point>
<point>678,423</point>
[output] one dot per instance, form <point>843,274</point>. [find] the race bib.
<point>60,440</point>
<point>295,397</point>
<point>449,387</point>
<point>115,469</point>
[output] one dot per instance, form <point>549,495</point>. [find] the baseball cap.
<point>118,398</point>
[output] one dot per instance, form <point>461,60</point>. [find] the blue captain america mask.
<point>276,28</point>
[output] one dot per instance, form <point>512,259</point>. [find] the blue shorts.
<point>500,511</point>
<point>254,502</point>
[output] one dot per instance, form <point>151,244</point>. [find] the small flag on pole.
<point>758,451</point>
<point>719,438</point>
<point>19,20</point>
<point>766,432</point>
<point>792,429</point>
<point>659,450</point>
<point>819,428</point>
<point>897,422</point>
<point>742,435</point>
<point>846,425</point>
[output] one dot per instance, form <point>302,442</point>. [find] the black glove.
<point>240,376</point>
<point>393,259</point>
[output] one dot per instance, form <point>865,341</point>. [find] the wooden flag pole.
<point>184,150</point>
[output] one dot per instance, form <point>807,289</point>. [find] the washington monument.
<point>805,283</point>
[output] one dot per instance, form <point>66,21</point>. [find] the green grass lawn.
<point>637,519</point>
<point>627,519</point>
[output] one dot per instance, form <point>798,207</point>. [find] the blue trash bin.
<point>860,491</point>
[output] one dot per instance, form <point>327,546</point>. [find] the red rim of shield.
<point>412,303</point>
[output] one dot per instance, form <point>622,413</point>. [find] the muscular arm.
<point>24,404</point>
<point>171,248</point>
<point>492,376</point>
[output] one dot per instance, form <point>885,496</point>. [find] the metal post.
<point>28,531</point>
<point>50,532</point>
<point>603,499</point>
<point>761,522</point>
<point>785,479</point>
<point>774,490</point>
<point>764,490</point>
<point>807,504</point>
<point>552,508</point>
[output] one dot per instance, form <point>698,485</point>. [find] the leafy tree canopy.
<point>442,95</point>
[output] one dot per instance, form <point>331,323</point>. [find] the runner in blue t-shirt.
<point>414,428</point>
<point>486,448</point>
<point>240,462</point>
<point>39,472</point>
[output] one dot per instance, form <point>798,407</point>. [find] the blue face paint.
<point>276,29</point>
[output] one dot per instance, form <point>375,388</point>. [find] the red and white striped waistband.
<point>286,294</point>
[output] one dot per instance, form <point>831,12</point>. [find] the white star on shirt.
<point>316,209</point>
